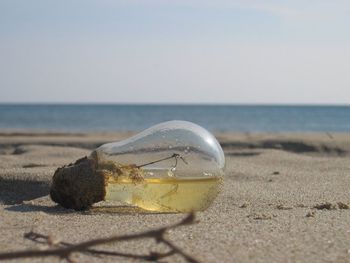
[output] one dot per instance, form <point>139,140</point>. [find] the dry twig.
<point>64,250</point>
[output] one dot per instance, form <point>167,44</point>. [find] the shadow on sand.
<point>15,191</point>
<point>25,208</point>
<point>57,210</point>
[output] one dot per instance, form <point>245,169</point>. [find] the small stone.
<point>342,205</point>
<point>276,173</point>
<point>261,216</point>
<point>52,241</point>
<point>244,205</point>
<point>311,214</point>
<point>283,207</point>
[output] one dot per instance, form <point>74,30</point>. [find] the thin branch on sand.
<point>65,250</point>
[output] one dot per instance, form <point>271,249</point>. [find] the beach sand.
<point>285,199</point>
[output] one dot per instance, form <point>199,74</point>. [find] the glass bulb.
<point>175,166</point>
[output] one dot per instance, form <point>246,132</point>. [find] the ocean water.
<point>216,118</point>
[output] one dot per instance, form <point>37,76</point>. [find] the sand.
<point>285,199</point>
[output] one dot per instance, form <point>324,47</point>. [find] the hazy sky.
<point>178,51</point>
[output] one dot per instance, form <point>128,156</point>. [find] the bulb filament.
<point>176,156</point>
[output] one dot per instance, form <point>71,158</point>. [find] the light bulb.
<point>175,166</point>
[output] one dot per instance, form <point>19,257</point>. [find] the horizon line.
<point>169,104</point>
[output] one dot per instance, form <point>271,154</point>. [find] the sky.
<point>179,51</point>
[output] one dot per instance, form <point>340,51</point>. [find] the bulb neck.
<point>78,185</point>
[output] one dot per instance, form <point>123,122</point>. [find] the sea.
<point>216,118</point>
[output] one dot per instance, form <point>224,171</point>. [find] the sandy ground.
<point>265,213</point>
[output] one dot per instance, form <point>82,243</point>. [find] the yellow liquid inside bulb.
<point>165,194</point>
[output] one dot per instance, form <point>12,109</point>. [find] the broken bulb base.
<point>78,186</point>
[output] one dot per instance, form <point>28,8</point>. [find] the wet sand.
<point>285,199</point>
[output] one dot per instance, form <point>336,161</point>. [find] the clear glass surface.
<point>175,166</point>
<point>198,152</point>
